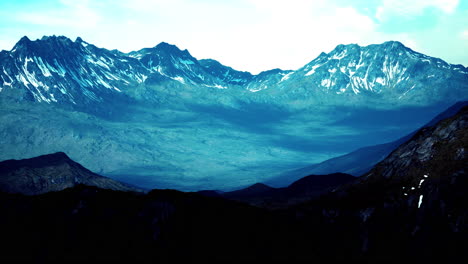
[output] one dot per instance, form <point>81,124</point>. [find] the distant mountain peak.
<point>272,71</point>
<point>171,48</point>
<point>386,69</point>
<point>24,39</point>
<point>44,44</point>
<point>166,45</point>
<point>321,181</point>
<point>394,44</point>
<point>23,43</point>
<point>54,40</point>
<point>55,37</point>
<point>259,186</point>
<point>387,45</point>
<point>252,190</point>
<point>35,162</point>
<point>57,155</point>
<point>83,43</point>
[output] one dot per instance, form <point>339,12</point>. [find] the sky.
<point>248,35</point>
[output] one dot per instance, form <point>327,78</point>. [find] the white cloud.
<point>251,35</point>
<point>285,34</point>
<point>71,14</point>
<point>448,6</point>
<point>404,8</point>
<point>464,34</point>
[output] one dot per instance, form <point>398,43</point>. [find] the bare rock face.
<point>48,173</point>
<point>435,150</point>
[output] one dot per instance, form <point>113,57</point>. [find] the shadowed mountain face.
<point>160,118</point>
<point>49,173</point>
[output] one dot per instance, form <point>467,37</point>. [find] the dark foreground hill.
<point>412,206</point>
<point>304,189</point>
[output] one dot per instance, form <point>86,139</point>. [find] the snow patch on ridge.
<point>44,69</point>
<point>215,86</point>
<point>285,77</point>
<point>312,71</point>
<point>380,80</point>
<point>340,55</point>
<point>179,79</point>
<point>188,62</point>
<point>326,83</point>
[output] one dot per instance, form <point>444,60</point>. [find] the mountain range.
<point>158,117</point>
<point>58,70</point>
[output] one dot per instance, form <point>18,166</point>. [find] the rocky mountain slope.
<point>412,204</point>
<point>389,70</point>
<point>51,173</point>
<point>433,156</point>
<point>362,160</point>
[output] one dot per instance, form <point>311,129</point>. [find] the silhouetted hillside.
<point>47,173</point>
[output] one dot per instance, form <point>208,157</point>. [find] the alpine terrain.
<point>158,117</point>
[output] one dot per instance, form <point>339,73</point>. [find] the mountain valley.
<point>159,118</point>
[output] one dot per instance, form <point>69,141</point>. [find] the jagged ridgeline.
<point>56,69</point>
<point>159,117</point>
